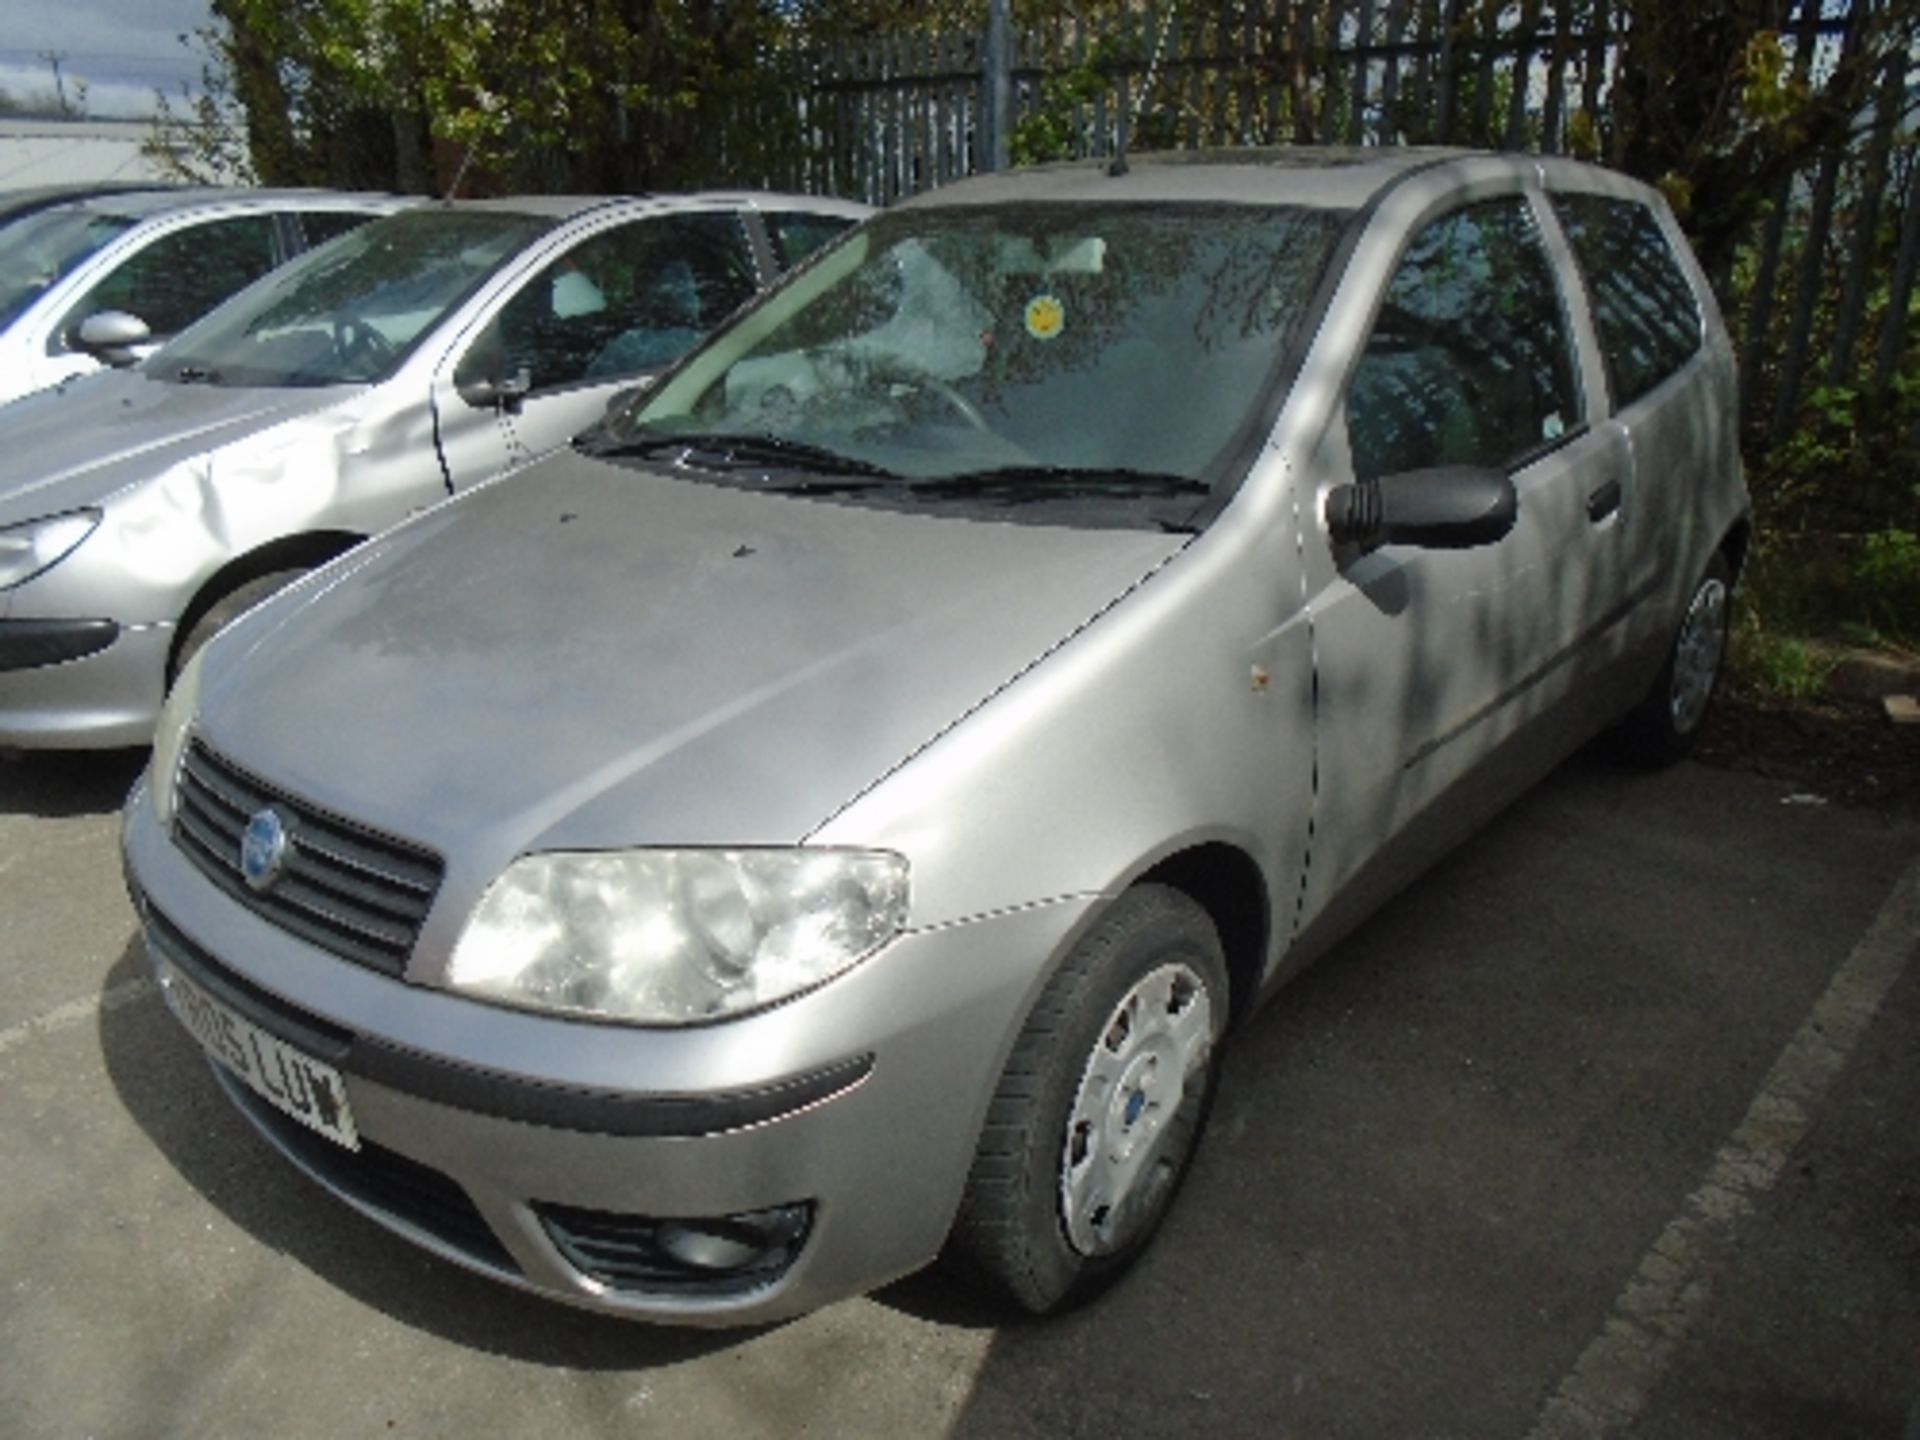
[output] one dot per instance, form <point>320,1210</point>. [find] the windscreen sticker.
<point>1046,317</point>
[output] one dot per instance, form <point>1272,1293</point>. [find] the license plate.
<point>287,1078</point>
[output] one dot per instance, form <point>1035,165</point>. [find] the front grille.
<point>359,895</point>
<point>389,1184</point>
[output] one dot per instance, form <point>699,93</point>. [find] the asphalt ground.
<point>1606,1127</point>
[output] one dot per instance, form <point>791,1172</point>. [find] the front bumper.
<point>80,685</point>
<point>496,1139</point>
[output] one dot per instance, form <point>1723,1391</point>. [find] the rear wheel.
<point>1663,727</point>
<point>1100,1107</point>
<point>223,612</point>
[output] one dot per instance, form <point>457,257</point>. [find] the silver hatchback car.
<point>142,510</point>
<point>836,815</point>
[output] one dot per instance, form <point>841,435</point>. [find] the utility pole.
<point>53,58</point>
<point>996,90</point>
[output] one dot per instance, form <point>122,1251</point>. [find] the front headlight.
<point>676,937</point>
<point>26,550</point>
<point>170,737</point>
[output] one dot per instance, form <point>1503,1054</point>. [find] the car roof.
<point>567,206</point>
<point>1325,177</point>
<point>555,206</point>
<point>15,203</point>
<point>145,204</point>
<point>773,200</point>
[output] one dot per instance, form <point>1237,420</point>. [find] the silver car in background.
<point>142,510</point>
<point>148,263</point>
<point>836,815</point>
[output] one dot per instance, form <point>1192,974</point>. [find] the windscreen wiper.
<point>724,451</point>
<point>1015,483</point>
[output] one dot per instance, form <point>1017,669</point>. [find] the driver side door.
<point>607,312</point>
<point>1449,677</point>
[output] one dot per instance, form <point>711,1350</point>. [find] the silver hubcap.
<point>1697,653</point>
<point>1115,1163</point>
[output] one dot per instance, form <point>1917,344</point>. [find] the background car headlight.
<point>170,737</point>
<point>676,937</point>
<point>26,550</point>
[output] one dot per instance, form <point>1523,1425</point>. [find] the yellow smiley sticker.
<point>1046,317</point>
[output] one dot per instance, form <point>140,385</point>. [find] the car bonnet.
<point>78,443</point>
<point>590,656</point>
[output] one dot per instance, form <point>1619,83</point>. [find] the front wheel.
<point>1100,1106</point>
<point>224,611</point>
<point>1662,728</point>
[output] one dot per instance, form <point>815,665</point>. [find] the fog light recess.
<point>717,1255</point>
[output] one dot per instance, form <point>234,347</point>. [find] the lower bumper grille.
<point>388,1183</point>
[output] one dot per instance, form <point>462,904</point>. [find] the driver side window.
<point>627,300</point>
<point>1469,361</point>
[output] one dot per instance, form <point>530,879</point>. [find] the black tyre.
<point>1663,727</point>
<point>1100,1106</point>
<point>223,612</point>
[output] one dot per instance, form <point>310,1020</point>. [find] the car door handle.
<point>1604,501</point>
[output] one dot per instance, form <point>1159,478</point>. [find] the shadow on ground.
<point>163,1082</point>
<point>1437,1159</point>
<point>59,784</point>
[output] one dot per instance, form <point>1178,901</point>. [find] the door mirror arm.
<point>1353,514</point>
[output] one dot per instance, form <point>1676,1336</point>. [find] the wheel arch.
<point>1735,544</point>
<point>289,552</point>
<point>1227,883</point>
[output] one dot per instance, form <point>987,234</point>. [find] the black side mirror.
<point>113,337</point>
<point>496,391</point>
<point>1451,507</point>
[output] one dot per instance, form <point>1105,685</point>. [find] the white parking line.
<point>1610,1383</point>
<point>76,1012</point>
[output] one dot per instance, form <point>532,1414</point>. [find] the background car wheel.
<point>1662,728</point>
<point>224,611</point>
<point>1100,1106</point>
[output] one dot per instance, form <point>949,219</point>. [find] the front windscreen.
<point>1010,356</point>
<point>349,312</point>
<point>37,250</point>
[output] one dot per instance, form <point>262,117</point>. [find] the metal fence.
<point>1819,294</point>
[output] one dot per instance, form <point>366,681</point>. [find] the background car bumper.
<point>97,700</point>
<point>840,1124</point>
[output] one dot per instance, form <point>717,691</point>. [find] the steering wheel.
<point>360,346</point>
<point>895,370</point>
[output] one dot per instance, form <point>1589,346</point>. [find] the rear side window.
<point>1468,362</point>
<point>1643,307</point>
<point>182,275</point>
<point>796,234</point>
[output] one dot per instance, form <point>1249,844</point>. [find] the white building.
<point>68,152</point>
